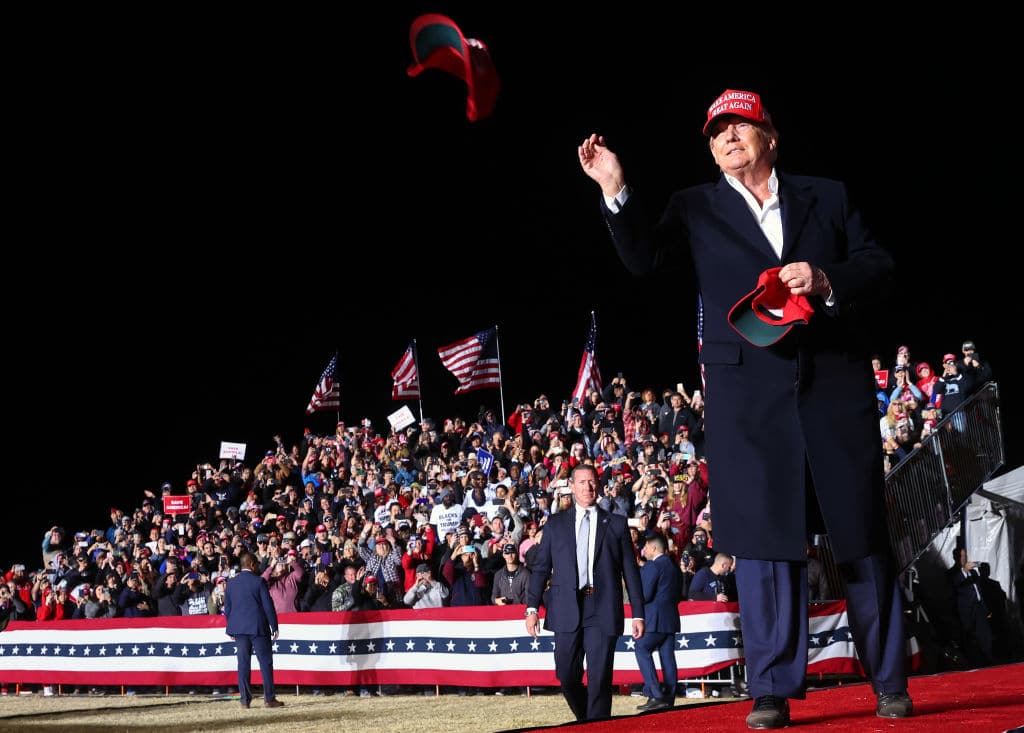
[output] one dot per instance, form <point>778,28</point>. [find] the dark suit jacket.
<point>966,593</point>
<point>809,397</point>
<point>248,607</point>
<point>613,561</point>
<point>662,583</point>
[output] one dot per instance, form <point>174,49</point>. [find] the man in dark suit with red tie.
<point>252,625</point>
<point>586,552</point>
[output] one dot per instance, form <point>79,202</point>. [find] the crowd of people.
<point>357,520</point>
<point>912,397</point>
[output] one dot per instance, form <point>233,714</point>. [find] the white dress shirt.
<point>593,534</point>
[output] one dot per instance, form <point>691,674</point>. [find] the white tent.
<point>1005,495</point>
<point>994,533</point>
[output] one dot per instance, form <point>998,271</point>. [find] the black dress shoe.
<point>894,705</point>
<point>654,703</point>
<point>273,704</point>
<point>769,712</point>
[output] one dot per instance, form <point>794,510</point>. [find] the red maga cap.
<point>752,317</point>
<point>740,103</point>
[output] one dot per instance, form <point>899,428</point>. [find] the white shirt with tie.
<point>593,534</point>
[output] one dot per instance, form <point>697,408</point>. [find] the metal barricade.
<point>925,492</point>
<point>734,677</point>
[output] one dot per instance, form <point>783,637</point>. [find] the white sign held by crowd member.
<point>401,418</point>
<point>232,450</point>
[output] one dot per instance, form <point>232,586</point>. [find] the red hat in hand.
<point>769,311</point>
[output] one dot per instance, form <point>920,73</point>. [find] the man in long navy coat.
<point>585,603</point>
<point>791,428</point>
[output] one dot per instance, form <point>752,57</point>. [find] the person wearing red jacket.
<point>926,379</point>
<point>22,583</point>
<point>417,551</point>
<point>56,604</point>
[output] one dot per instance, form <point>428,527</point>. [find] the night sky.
<point>214,211</point>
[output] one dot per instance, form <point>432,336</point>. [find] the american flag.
<point>469,645</point>
<point>589,376</point>
<point>327,395</point>
<point>474,361</point>
<point>406,376</point>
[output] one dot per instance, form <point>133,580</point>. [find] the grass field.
<point>397,713</point>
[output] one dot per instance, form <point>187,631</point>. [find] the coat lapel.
<point>601,522</point>
<point>734,214</point>
<point>570,533</point>
<point>796,205</point>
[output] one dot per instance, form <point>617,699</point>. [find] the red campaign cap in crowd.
<point>752,317</point>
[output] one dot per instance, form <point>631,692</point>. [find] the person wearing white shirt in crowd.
<point>447,515</point>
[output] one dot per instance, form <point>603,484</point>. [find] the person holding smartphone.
<point>320,591</point>
<point>425,592</point>
<point>284,576</point>
<point>614,393</point>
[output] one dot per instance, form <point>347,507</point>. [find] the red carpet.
<point>989,700</point>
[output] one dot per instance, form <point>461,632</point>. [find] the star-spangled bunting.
<point>435,646</point>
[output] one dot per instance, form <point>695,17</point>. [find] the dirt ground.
<point>396,713</point>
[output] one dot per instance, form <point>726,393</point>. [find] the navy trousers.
<point>593,700</point>
<point>664,644</point>
<point>246,644</point>
<point>773,618</point>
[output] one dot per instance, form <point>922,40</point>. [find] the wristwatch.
<point>531,611</point>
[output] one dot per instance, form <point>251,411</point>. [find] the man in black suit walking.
<point>252,625</point>
<point>587,553</point>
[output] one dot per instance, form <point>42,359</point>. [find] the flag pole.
<point>593,319</point>
<point>501,380</point>
<point>337,416</point>
<point>419,375</point>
